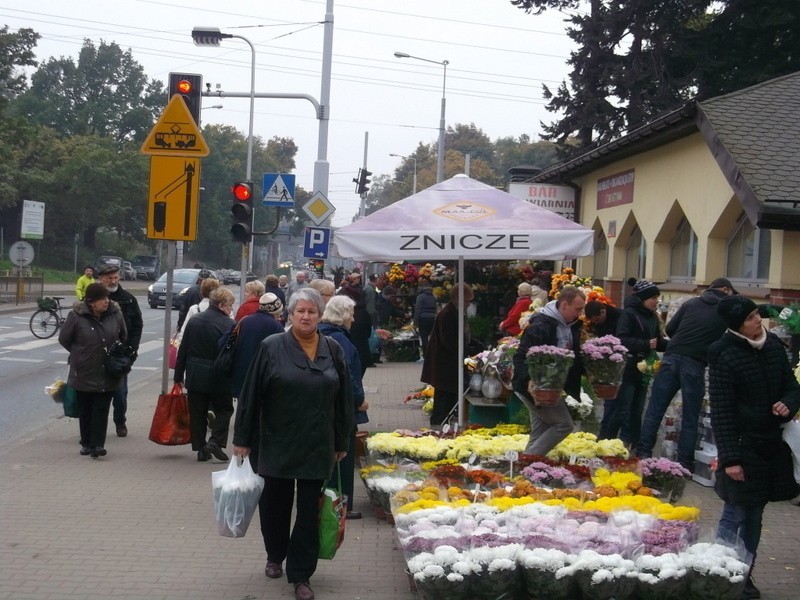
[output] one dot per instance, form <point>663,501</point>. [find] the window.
<point>600,268</point>
<point>748,254</point>
<point>683,254</point>
<point>636,255</point>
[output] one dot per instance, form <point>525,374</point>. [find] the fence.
<point>20,290</point>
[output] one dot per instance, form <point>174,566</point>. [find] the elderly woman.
<point>336,322</point>
<point>325,288</point>
<point>510,325</point>
<point>296,411</point>
<point>253,290</point>
<point>91,327</point>
<point>207,286</point>
<point>752,392</point>
<point>207,390</point>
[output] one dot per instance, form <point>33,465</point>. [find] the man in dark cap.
<point>692,330</point>
<point>108,275</point>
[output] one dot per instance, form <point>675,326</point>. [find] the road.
<point>28,364</point>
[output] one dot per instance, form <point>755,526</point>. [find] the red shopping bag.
<point>173,351</point>
<point>170,425</point>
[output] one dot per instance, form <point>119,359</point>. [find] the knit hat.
<point>270,303</point>
<point>722,282</point>
<point>644,288</point>
<point>524,289</point>
<point>96,291</point>
<point>734,310</point>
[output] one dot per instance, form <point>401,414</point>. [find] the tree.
<point>16,50</point>
<point>106,93</point>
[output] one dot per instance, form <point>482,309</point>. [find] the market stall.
<point>463,218</point>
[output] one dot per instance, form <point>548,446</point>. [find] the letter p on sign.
<point>317,240</point>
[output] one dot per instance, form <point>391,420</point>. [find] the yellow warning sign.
<point>173,199</point>
<point>175,133</point>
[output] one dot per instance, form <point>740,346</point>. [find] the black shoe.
<point>353,514</point>
<point>214,449</point>
<point>122,430</point>
<point>97,452</point>
<point>85,451</point>
<point>203,456</point>
<point>750,590</point>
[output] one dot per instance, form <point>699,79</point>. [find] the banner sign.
<point>615,190</point>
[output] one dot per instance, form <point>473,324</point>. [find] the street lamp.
<point>212,36</point>
<point>440,157</point>
<point>415,168</point>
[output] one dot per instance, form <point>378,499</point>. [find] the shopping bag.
<point>173,350</point>
<point>332,519</point>
<point>56,390</point>
<point>374,342</point>
<point>70,402</point>
<point>791,435</point>
<point>170,426</point>
<point>237,490</point>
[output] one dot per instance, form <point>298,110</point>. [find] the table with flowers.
<point>477,519</point>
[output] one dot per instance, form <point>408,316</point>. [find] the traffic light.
<point>190,86</point>
<point>242,211</point>
<point>362,181</point>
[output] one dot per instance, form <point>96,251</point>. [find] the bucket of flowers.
<point>604,359</point>
<point>548,367</point>
<point>666,476</point>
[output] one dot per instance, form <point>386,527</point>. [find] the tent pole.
<point>461,319</point>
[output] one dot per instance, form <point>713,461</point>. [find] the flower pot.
<point>475,383</point>
<point>491,387</point>
<point>544,397</point>
<point>605,391</point>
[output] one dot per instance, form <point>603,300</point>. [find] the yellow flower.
<point>618,480</point>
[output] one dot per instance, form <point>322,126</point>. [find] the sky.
<point>498,55</point>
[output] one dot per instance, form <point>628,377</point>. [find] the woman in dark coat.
<point>296,411</point>
<point>206,388</point>
<point>362,325</point>
<point>424,313</point>
<point>753,392</point>
<point>336,322</point>
<point>639,329</point>
<point>91,327</point>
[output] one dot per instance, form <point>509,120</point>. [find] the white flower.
<point>544,559</point>
<point>502,564</point>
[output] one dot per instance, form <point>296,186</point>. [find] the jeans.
<point>628,416</point>
<point>609,416</point>
<point>741,522</point>
<point>682,373</point>
<point>119,400</point>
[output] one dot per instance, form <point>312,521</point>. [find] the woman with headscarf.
<point>296,412</point>
<point>89,329</point>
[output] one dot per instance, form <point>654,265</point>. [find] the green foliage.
<point>482,329</point>
<point>16,50</point>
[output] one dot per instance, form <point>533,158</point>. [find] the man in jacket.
<point>206,388</point>
<point>695,326</point>
<point>603,318</point>
<point>109,277</point>
<point>557,324</point>
<point>191,297</point>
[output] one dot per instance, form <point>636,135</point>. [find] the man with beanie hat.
<point>752,393</point>
<point>639,330</point>
<point>108,275</point>
<point>692,330</point>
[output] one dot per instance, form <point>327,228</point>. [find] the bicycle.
<point>48,319</point>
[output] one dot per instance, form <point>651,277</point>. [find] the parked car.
<point>182,280</point>
<point>147,267</point>
<point>108,260</point>
<point>235,277</point>
<point>127,272</point>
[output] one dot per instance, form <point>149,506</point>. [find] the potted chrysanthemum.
<point>664,475</point>
<point>604,359</point>
<point>548,367</point>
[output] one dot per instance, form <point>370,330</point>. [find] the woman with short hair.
<point>253,290</point>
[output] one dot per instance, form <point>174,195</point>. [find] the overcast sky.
<point>499,56</point>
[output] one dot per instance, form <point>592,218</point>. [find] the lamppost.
<point>440,157</point>
<point>415,168</point>
<point>212,36</point>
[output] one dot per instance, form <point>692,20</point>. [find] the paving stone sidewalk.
<point>138,524</point>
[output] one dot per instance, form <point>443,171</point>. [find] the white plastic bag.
<point>791,435</point>
<point>236,493</point>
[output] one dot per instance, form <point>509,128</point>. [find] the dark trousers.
<point>425,330</point>
<point>199,405</point>
<point>628,416</point>
<point>443,403</point>
<point>93,410</point>
<point>119,400</point>
<point>347,467</point>
<point>300,548</point>
<point>609,419</point>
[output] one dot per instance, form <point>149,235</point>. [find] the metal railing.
<point>20,290</point>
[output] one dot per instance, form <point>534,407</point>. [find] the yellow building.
<point>709,190</point>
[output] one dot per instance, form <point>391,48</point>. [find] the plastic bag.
<point>56,390</point>
<point>374,342</point>
<point>791,435</point>
<point>173,350</point>
<point>237,490</point>
<point>332,519</point>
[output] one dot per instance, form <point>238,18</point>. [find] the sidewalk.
<point>138,524</point>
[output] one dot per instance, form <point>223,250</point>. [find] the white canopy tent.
<point>463,218</point>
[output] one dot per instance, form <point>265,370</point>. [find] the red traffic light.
<point>243,191</point>
<point>184,86</point>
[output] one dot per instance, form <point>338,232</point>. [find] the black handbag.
<point>119,359</point>
<point>223,363</point>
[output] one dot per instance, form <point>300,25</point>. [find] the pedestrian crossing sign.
<point>278,189</point>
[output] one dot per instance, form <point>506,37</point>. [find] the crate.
<point>491,412</point>
<point>703,473</point>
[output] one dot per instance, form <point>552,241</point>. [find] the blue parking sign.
<point>316,242</point>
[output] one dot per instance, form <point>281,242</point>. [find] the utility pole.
<point>363,206</point>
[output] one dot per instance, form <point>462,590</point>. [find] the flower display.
<point>586,445</point>
<point>548,366</point>
<point>604,359</point>
<point>395,275</point>
<point>581,408</point>
<point>649,366</point>
<point>664,475</point>
<point>420,395</point>
<point>543,474</point>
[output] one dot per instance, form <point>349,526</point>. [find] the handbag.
<point>71,408</point>
<point>119,359</point>
<point>170,426</point>
<point>791,435</point>
<point>223,364</point>
<point>237,490</point>
<point>173,351</point>
<point>332,518</point>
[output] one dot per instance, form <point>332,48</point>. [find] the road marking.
<point>151,345</point>
<point>15,335</point>
<point>32,345</point>
<point>28,360</point>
